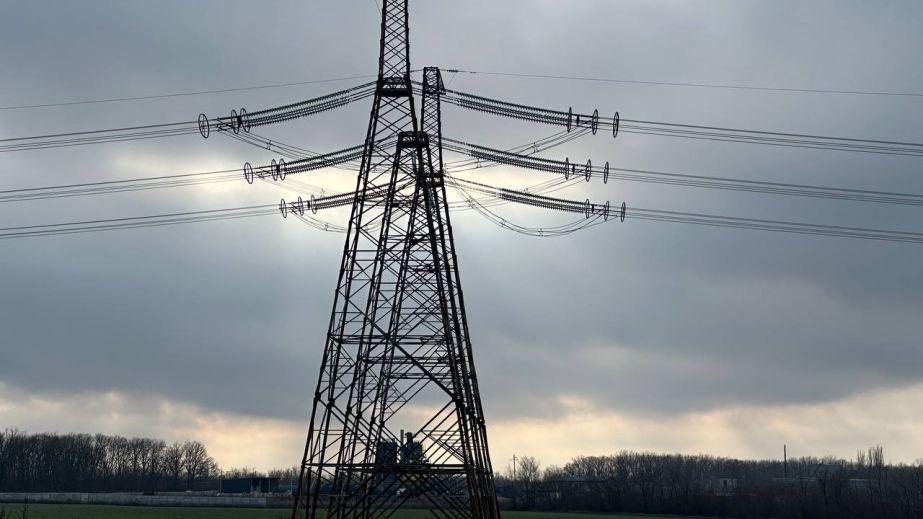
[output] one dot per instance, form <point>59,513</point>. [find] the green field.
<point>136,512</point>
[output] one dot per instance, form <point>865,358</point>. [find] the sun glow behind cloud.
<point>837,428</point>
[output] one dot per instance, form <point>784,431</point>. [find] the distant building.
<point>411,451</point>
<point>386,453</point>
<point>385,459</point>
<point>726,487</point>
<point>253,486</point>
<point>389,455</point>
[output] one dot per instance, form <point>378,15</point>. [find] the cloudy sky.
<point>640,335</point>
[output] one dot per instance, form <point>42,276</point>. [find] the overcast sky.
<point>639,335</point>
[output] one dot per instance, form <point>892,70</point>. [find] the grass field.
<point>137,512</point>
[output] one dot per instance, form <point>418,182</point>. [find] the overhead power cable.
<point>541,232</point>
<point>30,231</point>
<point>242,120</point>
<point>481,157</point>
<point>535,200</point>
<point>615,124</point>
<point>775,225</point>
<point>277,171</point>
<point>472,72</point>
<point>303,208</point>
<point>237,123</point>
<point>27,231</point>
<point>691,84</point>
<point>589,171</point>
<point>710,220</point>
<point>118,186</point>
<point>184,94</point>
<point>303,159</point>
<point>152,131</point>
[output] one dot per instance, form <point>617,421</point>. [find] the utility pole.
<point>784,461</point>
<point>515,485</point>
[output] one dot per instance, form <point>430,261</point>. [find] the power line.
<point>118,186</point>
<point>589,171</point>
<point>771,137</point>
<point>481,72</point>
<point>709,220</point>
<point>29,231</point>
<point>42,142</point>
<point>490,156</point>
<point>130,222</point>
<point>688,218</point>
<point>616,124</point>
<point>287,150</point>
<point>776,226</point>
<point>235,123</point>
<point>184,94</point>
<point>473,102</point>
<point>692,85</point>
<point>92,132</point>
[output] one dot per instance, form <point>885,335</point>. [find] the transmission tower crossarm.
<point>242,121</point>
<point>313,204</point>
<point>545,202</point>
<point>279,169</point>
<point>483,153</point>
<point>568,119</point>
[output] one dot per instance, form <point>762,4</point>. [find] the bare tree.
<point>173,463</point>
<point>529,475</point>
<point>197,464</point>
<point>864,488</point>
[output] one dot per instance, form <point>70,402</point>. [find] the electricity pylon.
<point>398,354</point>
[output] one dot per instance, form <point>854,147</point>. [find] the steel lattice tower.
<point>397,353</point>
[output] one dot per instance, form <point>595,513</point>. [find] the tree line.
<point>628,482</point>
<point>803,488</point>
<point>101,463</point>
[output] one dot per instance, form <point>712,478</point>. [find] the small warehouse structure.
<point>252,486</point>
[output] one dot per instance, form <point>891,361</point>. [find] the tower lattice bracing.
<point>397,416</point>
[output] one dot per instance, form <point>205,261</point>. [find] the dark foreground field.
<point>136,512</point>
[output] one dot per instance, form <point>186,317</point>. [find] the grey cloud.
<point>644,317</point>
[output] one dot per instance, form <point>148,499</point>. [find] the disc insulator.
<point>204,127</point>
<point>235,127</point>
<point>245,120</point>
